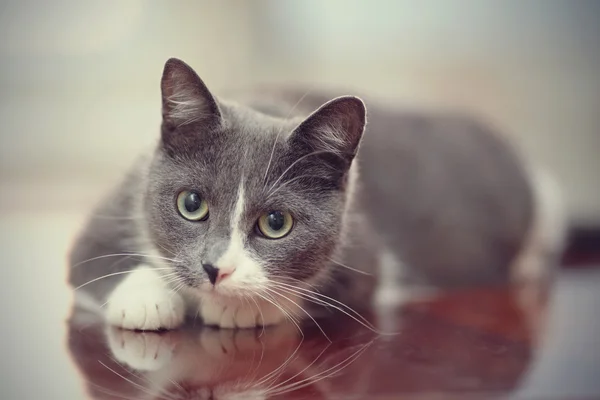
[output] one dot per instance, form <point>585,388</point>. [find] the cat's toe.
<point>144,302</point>
<point>228,316</point>
<point>146,311</point>
<point>211,313</point>
<point>246,318</point>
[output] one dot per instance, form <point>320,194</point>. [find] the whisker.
<point>122,255</point>
<point>165,249</point>
<point>280,131</point>
<point>108,276</point>
<point>350,268</point>
<point>323,374</point>
<point>312,296</point>
<point>160,391</point>
<point>303,310</point>
<point>302,371</point>
<point>271,193</point>
<point>284,312</point>
<point>261,315</point>
<point>295,280</point>
<point>128,380</point>
<point>273,374</point>
<point>110,392</point>
<point>314,153</point>
<point>116,217</point>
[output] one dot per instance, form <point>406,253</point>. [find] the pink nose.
<point>224,274</point>
<point>216,275</point>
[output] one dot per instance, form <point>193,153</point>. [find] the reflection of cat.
<point>246,215</point>
<point>209,363</point>
<point>467,342</point>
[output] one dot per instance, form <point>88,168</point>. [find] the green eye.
<point>275,224</point>
<point>191,206</point>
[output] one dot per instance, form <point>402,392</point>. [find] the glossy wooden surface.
<point>475,343</point>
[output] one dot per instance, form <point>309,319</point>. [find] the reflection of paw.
<point>229,343</point>
<point>143,351</point>
<point>239,314</point>
<point>143,301</point>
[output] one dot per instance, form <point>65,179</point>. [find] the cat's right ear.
<point>185,98</point>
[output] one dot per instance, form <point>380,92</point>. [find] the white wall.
<point>79,80</point>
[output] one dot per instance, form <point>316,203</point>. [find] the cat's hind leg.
<point>144,301</point>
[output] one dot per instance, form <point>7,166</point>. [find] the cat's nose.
<point>212,272</point>
<point>215,274</point>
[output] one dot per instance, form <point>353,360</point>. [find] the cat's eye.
<point>275,224</point>
<point>192,206</point>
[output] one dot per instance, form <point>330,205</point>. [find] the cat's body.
<point>445,197</point>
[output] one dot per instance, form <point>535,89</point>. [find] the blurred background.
<point>79,99</point>
<point>79,81</point>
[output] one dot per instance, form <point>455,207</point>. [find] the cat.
<point>279,209</point>
<point>205,363</point>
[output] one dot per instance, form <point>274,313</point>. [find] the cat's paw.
<point>143,351</point>
<point>143,301</point>
<point>242,314</point>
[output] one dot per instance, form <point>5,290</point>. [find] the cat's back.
<point>447,193</point>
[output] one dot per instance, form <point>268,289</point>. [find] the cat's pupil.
<point>192,202</point>
<point>276,220</point>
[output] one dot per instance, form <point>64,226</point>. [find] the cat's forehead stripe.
<point>239,207</point>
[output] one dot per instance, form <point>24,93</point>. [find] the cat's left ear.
<point>336,127</point>
<point>185,98</point>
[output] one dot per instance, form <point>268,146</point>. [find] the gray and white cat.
<point>246,215</point>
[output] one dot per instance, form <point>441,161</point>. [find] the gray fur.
<point>444,193</point>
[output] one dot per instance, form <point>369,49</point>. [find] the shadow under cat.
<point>467,342</point>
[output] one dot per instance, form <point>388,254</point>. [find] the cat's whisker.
<point>274,374</point>
<point>314,153</point>
<point>160,391</point>
<point>289,315</point>
<point>123,255</point>
<point>108,276</point>
<point>303,310</point>
<point>110,392</point>
<point>165,249</point>
<point>350,268</point>
<point>262,317</point>
<point>283,311</point>
<point>262,345</point>
<point>177,288</point>
<point>274,387</point>
<point>323,374</point>
<point>128,380</point>
<point>295,280</point>
<point>171,278</point>
<point>116,217</point>
<point>321,299</point>
<point>281,130</point>
<point>271,193</point>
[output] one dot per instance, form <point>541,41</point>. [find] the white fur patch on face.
<point>245,272</point>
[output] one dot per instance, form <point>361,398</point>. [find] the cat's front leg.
<point>144,301</point>
<point>240,313</point>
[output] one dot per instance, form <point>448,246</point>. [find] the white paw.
<point>239,314</point>
<point>143,351</point>
<point>143,301</point>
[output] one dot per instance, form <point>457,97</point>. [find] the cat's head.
<point>240,198</point>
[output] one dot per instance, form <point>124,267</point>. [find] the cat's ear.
<point>185,98</point>
<point>335,128</point>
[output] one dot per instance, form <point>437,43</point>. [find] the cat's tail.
<point>547,237</point>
